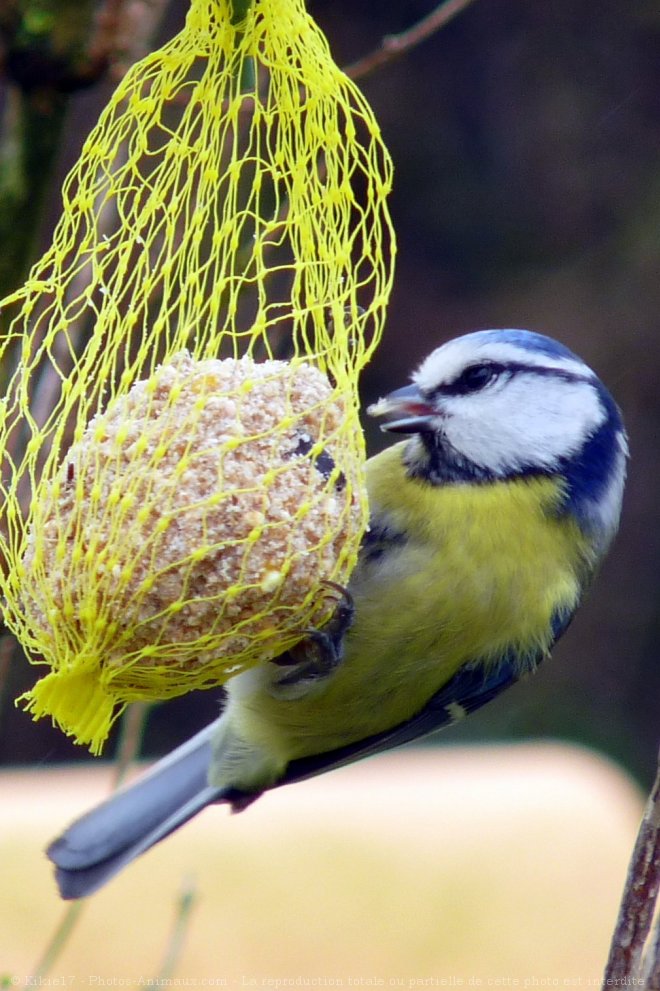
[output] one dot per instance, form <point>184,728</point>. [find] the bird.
<point>488,521</point>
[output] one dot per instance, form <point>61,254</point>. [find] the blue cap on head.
<point>530,341</point>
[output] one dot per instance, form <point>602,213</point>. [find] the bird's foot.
<point>319,653</point>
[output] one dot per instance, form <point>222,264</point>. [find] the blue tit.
<point>487,524</point>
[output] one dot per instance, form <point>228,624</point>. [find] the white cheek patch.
<point>525,419</point>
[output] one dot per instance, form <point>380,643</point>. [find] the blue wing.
<point>469,689</point>
<point>473,686</point>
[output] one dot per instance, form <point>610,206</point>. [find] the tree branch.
<point>639,898</point>
<point>393,46</point>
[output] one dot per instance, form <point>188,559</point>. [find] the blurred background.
<point>526,142</point>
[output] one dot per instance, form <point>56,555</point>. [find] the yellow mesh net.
<point>180,447</point>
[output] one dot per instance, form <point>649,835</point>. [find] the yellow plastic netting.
<point>180,447</point>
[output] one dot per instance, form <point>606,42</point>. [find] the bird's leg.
<point>321,650</point>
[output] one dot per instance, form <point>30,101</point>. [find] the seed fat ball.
<point>194,516</point>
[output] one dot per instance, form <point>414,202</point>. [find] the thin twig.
<point>395,45</point>
<point>639,898</point>
<point>184,907</point>
<point>56,943</point>
<point>133,723</point>
<point>132,728</point>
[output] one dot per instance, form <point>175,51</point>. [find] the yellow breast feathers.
<point>484,567</point>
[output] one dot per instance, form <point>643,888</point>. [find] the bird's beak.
<point>411,412</point>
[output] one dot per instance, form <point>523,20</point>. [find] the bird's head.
<point>500,404</point>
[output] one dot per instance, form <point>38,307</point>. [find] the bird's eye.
<point>473,378</point>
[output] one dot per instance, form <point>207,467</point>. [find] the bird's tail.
<point>94,848</point>
<point>99,844</point>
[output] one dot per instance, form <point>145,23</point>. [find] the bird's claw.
<point>321,651</point>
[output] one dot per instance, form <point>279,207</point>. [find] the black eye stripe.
<point>477,376</point>
<point>472,379</point>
